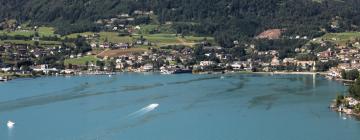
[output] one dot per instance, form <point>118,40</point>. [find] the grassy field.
<point>81,60</point>
<point>18,32</point>
<point>119,52</point>
<point>340,38</point>
<point>113,37</point>
<point>43,31</point>
<point>75,35</point>
<point>109,36</point>
<point>46,31</point>
<point>30,42</point>
<point>159,39</point>
<point>147,29</point>
<point>172,39</point>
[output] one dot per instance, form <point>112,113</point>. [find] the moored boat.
<point>4,79</point>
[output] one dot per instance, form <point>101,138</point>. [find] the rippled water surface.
<point>174,107</point>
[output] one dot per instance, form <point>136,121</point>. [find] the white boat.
<point>3,79</point>
<point>10,124</point>
<point>164,71</point>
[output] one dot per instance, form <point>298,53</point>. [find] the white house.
<point>207,63</point>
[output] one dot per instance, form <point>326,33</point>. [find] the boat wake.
<point>144,110</point>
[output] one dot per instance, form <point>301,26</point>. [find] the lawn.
<point>81,60</point>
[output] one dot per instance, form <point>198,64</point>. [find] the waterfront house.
<point>352,102</point>
<point>288,61</point>
<point>44,68</point>
<point>236,66</point>
<point>6,69</point>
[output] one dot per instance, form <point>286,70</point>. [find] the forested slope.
<point>224,19</point>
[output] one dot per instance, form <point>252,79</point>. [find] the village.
<point>143,55</point>
<point>112,57</point>
<point>136,43</point>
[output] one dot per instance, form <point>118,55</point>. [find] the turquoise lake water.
<point>174,107</point>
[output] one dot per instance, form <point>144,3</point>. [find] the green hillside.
<point>226,20</point>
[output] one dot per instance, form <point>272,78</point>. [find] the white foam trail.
<point>144,110</point>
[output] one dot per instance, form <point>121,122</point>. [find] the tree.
<point>101,64</point>
<point>70,66</point>
<point>237,52</point>
<point>112,65</point>
<point>350,75</point>
<point>36,43</point>
<point>343,74</point>
<point>87,65</point>
<point>354,90</point>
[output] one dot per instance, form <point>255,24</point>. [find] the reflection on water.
<point>10,133</point>
<point>237,87</point>
<point>266,100</point>
<point>193,80</point>
<point>141,87</point>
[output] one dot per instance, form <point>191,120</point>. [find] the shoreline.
<point>86,73</point>
<point>346,111</point>
<point>293,73</point>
